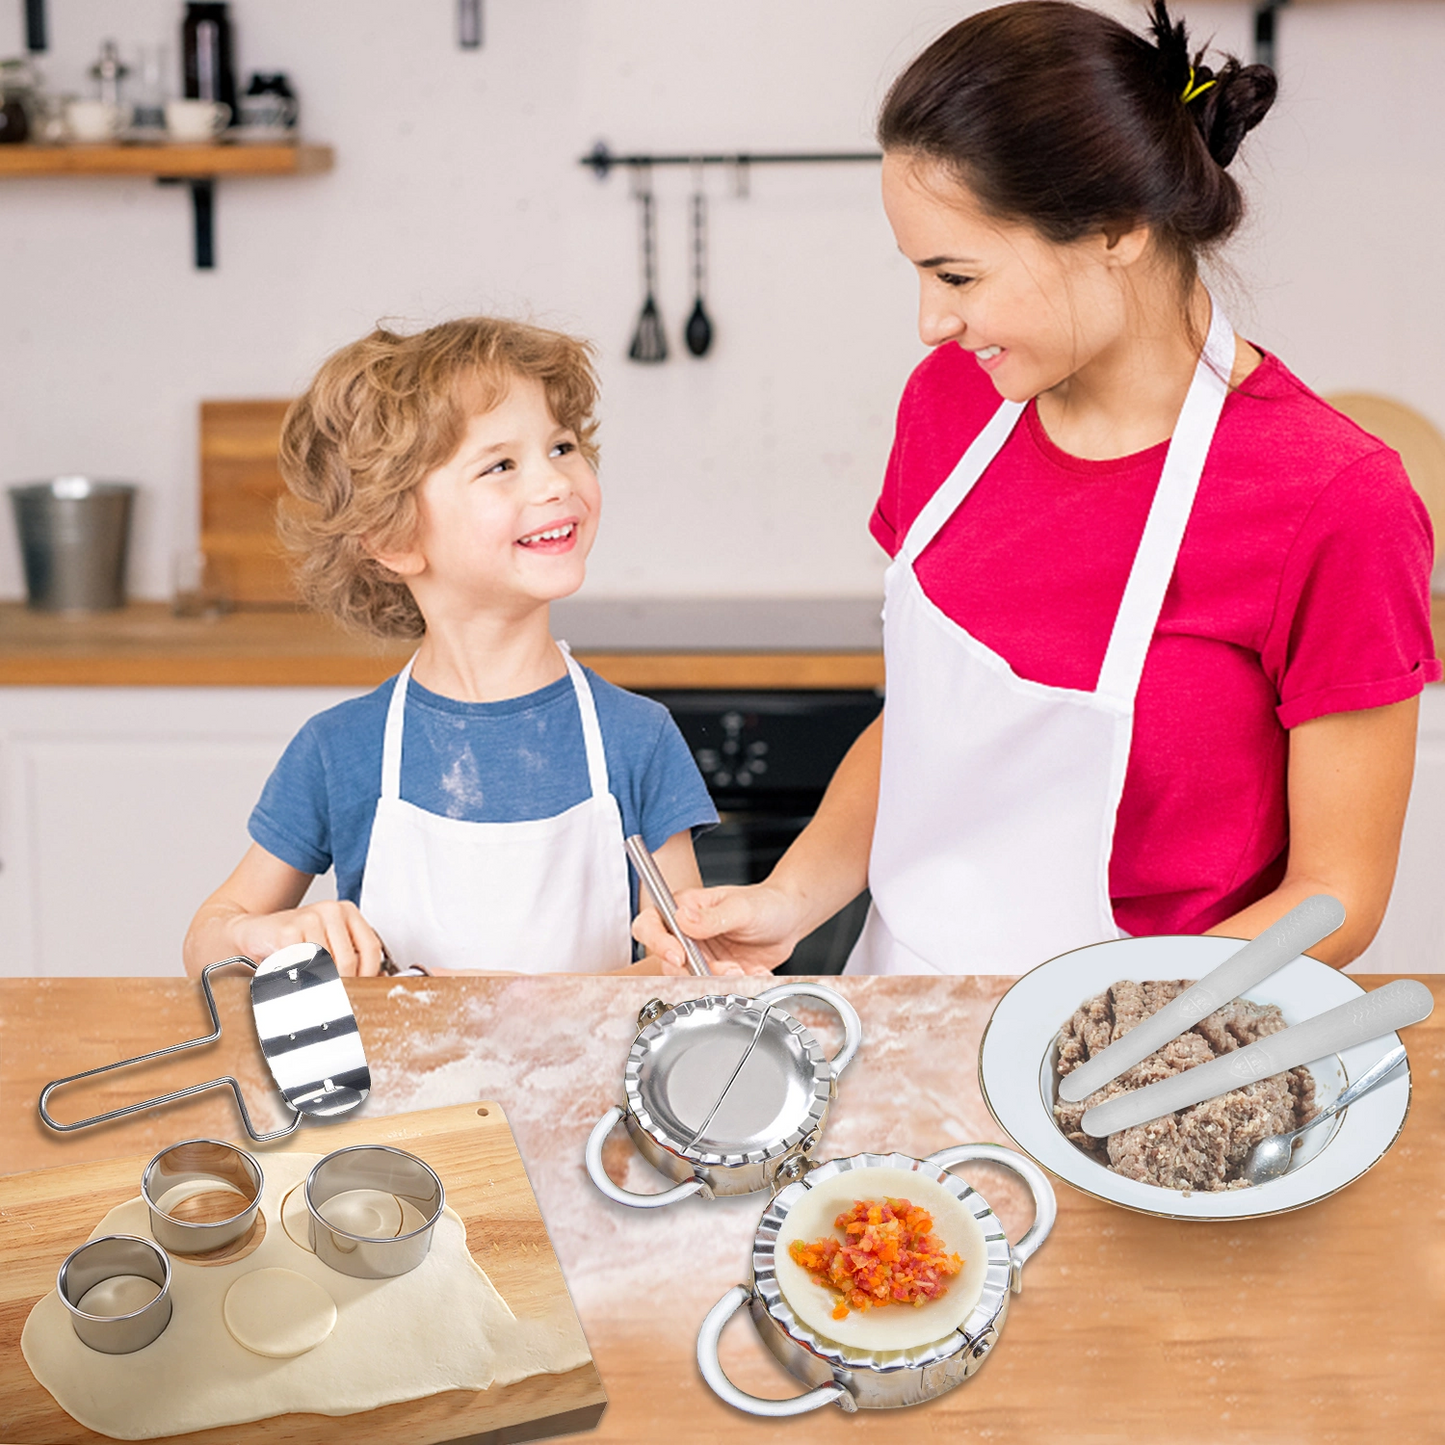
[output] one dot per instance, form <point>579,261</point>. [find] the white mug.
<point>196,120</point>
<point>95,121</point>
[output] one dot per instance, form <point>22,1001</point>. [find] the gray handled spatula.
<point>1282,942</point>
<point>1405,1001</point>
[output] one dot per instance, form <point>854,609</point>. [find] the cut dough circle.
<point>371,1213</point>
<point>891,1327</point>
<point>278,1313</point>
<point>121,1294</point>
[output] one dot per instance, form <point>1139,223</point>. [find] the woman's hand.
<point>754,929</point>
<point>741,930</point>
<point>337,926</point>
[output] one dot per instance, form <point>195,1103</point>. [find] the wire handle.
<point>1046,1207</point>
<point>852,1025</point>
<point>708,1364</point>
<point>225,1081</point>
<point>603,1127</point>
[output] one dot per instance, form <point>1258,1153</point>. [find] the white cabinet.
<point>121,809</point>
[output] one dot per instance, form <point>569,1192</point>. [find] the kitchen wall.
<point>456,189</point>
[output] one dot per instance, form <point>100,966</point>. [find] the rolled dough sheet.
<point>892,1327</point>
<point>441,1327</point>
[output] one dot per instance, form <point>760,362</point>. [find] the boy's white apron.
<point>998,795</point>
<point>550,895</point>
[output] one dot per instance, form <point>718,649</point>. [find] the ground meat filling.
<point>1203,1147</point>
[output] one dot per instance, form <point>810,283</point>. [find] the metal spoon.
<point>1271,1157</point>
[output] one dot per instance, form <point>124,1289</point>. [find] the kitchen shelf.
<point>196,166</point>
<point>171,162</point>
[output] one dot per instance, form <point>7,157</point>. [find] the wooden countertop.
<point>144,645</point>
<point>1325,1324</point>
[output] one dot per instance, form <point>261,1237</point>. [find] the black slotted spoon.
<point>649,341</point>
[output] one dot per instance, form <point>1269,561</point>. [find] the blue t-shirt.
<point>484,762</point>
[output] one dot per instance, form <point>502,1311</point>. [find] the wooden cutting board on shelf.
<point>47,1213</point>
<point>240,486</point>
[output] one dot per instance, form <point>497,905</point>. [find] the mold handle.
<point>729,1394</point>
<point>595,1140</point>
<point>852,1028</point>
<point>1046,1209</point>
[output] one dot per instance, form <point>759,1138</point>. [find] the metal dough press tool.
<point>308,1036</point>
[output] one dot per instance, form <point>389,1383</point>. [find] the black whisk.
<point>698,331</point>
<point>649,341</point>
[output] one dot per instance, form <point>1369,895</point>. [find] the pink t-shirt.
<point>1301,588</point>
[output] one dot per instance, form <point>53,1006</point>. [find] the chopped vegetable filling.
<point>889,1255</point>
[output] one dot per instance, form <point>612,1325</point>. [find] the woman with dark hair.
<point>1158,618</point>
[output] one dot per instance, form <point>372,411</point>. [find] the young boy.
<point>473,807</point>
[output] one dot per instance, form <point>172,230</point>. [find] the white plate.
<point>1015,1070</point>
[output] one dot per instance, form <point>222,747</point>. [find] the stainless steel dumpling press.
<point>725,1094</point>
<point>308,1036</point>
<point>907,1368</point>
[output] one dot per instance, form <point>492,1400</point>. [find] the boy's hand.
<point>337,926</point>
<point>744,930</point>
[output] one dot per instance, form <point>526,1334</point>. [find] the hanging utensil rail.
<point>602,160</point>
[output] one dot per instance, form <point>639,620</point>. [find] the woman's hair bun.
<point>1225,104</point>
<point>1053,113</point>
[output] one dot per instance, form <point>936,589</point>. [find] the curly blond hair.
<point>379,415</point>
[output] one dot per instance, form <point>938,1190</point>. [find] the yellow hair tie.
<point>1192,91</point>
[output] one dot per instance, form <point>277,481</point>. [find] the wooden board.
<point>47,1213</point>
<point>240,486</point>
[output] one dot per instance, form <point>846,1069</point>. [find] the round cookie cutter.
<point>725,1094</point>
<point>103,1259</point>
<point>230,1172</point>
<point>372,1166</point>
<point>858,1379</point>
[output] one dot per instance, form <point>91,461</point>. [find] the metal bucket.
<point>73,535</point>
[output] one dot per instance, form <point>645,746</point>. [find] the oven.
<point>767,758</point>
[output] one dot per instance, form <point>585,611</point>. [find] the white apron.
<point>998,795</point>
<point>550,895</point>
